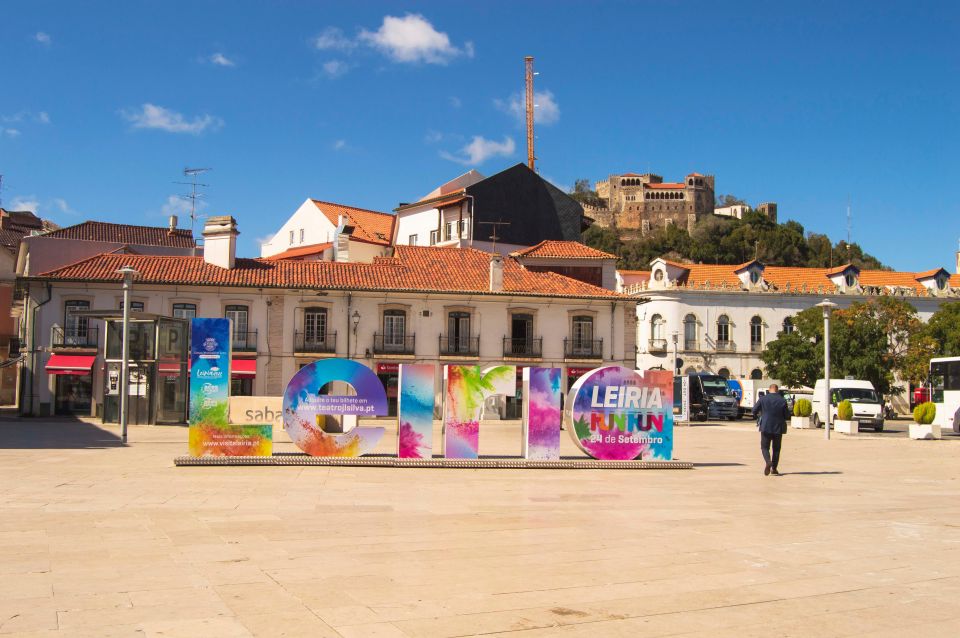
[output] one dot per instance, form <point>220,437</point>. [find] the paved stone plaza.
<point>860,537</point>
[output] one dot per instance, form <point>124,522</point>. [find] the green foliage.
<point>943,329</point>
<point>802,407</point>
<point>925,413</point>
<point>730,200</point>
<point>583,193</point>
<point>845,410</point>
<point>722,240</point>
<point>870,340</point>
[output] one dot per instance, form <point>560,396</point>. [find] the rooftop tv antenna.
<point>1,191</point>
<point>493,235</point>
<point>531,158</point>
<point>194,196</point>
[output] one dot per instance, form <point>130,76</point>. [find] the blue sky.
<point>371,104</point>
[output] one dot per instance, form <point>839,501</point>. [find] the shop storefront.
<point>73,383</point>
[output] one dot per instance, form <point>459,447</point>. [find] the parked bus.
<point>945,391</point>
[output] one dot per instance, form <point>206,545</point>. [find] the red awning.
<point>243,368</point>
<point>70,364</point>
<point>169,368</point>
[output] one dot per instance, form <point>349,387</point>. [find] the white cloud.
<point>265,239</point>
<point>545,107</point>
<point>455,102</point>
<point>412,39</point>
<point>433,137</point>
<point>151,116</point>
<point>43,117</point>
<point>61,205</point>
<point>335,68</point>
<point>11,132</point>
<point>221,60</point>
<point>480,150</point>
<point>333,38</point>
<point>177,205</point>
<point>339,145</point>
<point>26,202</point>
<point>42,38</point>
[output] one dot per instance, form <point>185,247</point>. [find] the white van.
<point>867,406</point>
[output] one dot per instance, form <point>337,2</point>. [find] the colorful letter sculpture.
<point>541,414</point>
<point>415,409</point>
<point>211,433</point>
<point>619,414</point>
<point>467,387</point>
<point>305,409</point>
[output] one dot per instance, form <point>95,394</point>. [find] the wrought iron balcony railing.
<point>393,344</point>
<point>313,342</point>
<point>451,345</point>
<point>523,347</point>
<point>74,337</point>
<point>583,348</point>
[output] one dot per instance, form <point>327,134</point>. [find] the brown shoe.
<point>766,470</point>
<point>775,472</point>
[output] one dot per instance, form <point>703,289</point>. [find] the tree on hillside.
<point>730,200</point>
<point>605,239</point>
<point>583,192</point>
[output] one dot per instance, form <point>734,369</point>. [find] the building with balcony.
<point>719,318</point>
<point>421,304</point>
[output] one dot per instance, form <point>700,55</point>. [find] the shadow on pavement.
<point>719,464</point>
<point>54,433</point>
<point>809,473</point>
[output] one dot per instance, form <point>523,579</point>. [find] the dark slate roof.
<point>14,225</point>
<point>126,234</point>
<point>535,208</point>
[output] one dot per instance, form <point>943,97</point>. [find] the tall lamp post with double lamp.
<point>128,274</point>
<point>827,306</point>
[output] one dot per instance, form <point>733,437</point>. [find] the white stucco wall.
<point>490,321</point>
<point>317,229</point>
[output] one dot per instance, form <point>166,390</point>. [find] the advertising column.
<point>211,433</point>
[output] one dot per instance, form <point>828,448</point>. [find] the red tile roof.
<point>554,249</point>
<point>369,225</point>
<point>930,273</point>
<point>446,199</point>
<point>797,277</point>
<point>413,268</point>
<point>126,234</point>
<point>301,251</point>
<point>839,270</point>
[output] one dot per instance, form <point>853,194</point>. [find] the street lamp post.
<point>676,338</point>
<point>827,306</point>
<point>356,322</point>
<point>128,274</point>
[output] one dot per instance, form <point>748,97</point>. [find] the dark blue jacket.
<point>772,413</point>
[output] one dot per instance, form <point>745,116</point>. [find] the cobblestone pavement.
<point>860,537</point>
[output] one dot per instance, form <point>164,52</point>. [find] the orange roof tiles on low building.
<point>126,234</point>
<point>369,225</point>
<point>413,269</point>
<point>556,249</point>
<point>302,251</point>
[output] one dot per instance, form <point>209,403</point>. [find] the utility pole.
<point>531,158</point>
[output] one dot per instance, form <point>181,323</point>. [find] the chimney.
<point>220,241</point>
<point>173,223</point>
<point>496,273</point>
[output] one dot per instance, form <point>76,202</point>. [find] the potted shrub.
<point>801,414</point>
<point>924,428</point>
<point>844,423</point>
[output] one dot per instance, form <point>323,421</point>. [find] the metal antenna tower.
<point>193,174</point>
<point>493,235</point>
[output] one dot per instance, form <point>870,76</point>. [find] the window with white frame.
<point>238,316</point>
<point>434,237</point>
<point>723,330</point>
<point>394,328</point>
<point>184,310</point>
<point>756,331</point>
<point>412,240</point>
<point>315,326</point>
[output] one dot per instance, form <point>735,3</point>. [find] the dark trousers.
<point>765,441</point>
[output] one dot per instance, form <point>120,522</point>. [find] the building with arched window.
<point>723,317</point>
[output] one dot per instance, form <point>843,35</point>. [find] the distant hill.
<point>726,241</point>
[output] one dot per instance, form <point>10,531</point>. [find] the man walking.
<point>771,413</point>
